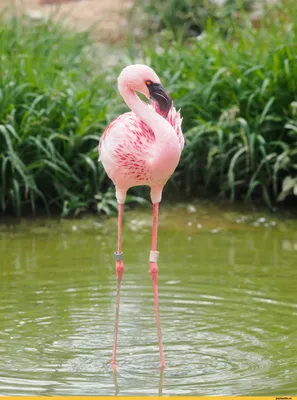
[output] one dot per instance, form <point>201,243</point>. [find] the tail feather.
<point>175,120</point>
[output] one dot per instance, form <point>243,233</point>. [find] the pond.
<point>228,305</point>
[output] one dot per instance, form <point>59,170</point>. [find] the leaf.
<point>288,183</point>
<point>291,127</point>
<point>288,187</point>
<point>137,199</point>
<point>89,161</point>
<point>231,174</point>
<point>266,109</point>
<point>7,138</point>
<point>16,197</point>
<point>252,187</point>
<point>266,196</point>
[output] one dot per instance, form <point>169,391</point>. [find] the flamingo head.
<point>143,79</point>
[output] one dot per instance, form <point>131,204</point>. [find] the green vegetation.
<point>237,93</point>
<point>54,104</point>
<point>238,100</point>
<point>193,15</point>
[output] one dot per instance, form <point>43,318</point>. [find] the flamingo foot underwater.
<point>141,147</point>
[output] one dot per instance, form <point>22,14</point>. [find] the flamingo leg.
<point>154,273</point>
<point>119,271</point>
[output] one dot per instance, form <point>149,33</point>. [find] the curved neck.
<point>159,125</point>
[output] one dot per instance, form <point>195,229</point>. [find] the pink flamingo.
<point>141,147</point>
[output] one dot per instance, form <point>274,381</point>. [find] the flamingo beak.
<point>161,97</point>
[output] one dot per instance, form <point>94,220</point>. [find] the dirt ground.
<point>110,17</point>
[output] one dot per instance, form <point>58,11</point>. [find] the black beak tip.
<point>161,97</point>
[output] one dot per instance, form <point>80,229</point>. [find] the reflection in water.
<point>227,302</point>
<point>115,381</point>
<point>116,386</point>
<point>161,382</point>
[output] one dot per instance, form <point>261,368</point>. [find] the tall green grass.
<point>239,103</point>
<point>54,103</point>
<point>238,100</point>
<point>190,16</point>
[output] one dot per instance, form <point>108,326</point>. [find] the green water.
<point>228,305</point>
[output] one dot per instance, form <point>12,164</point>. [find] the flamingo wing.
<point>138,136</point>
<point>125,147</point>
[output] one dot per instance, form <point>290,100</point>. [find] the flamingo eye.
<point>148,83</point>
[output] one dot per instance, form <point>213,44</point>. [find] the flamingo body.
<point>130,149</point>
<point>129,152</point>
<point>141,147</point>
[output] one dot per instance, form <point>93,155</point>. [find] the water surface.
<point>228,305</point>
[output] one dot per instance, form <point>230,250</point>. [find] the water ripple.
<point>228,313</point>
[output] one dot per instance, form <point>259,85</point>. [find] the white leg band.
<point>118,256</point>
<point>154,256</point>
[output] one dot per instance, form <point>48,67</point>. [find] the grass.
<point>191,16</point>
<point>238,98</point>
<point>54,104</point>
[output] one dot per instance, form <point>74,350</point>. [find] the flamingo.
<point>141,147</point>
